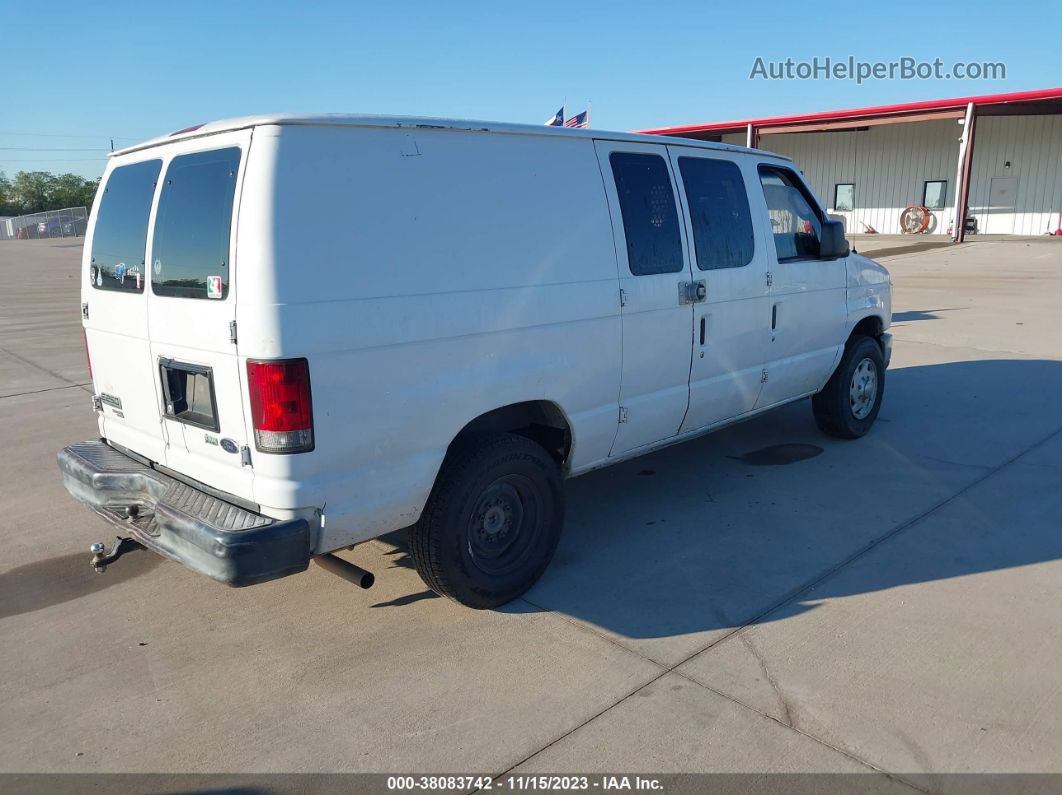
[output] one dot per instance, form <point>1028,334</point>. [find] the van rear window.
<point>120,234</point>
<point>190,251</point>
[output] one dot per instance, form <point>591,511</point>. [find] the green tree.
<point>36,191</point>
<point>7,204</point>
<point>70,190</point>
<point>31,189</point>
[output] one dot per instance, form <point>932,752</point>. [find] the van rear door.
<point>114,296</point>
<point>191,311</point>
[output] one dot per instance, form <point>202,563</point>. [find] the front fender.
<point>869,291</point>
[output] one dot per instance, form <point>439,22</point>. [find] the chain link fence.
<point>68,222</point>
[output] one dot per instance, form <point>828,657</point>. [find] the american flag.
<point>557,119</point>
<point>579,120</point>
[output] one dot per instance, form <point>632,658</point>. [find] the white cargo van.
<point>305,332</point>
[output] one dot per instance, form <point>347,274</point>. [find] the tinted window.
<point>935,194</point>
<point>844,196</point>
<point>795,223</point>
<point>719,210</point>
<point>190,251</point>
<point>120,234</point>
<point>650,220</point>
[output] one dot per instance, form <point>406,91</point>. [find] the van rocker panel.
<point>227,543</point>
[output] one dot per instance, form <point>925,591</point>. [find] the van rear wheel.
<point>492,522</point>
<point>849,403</point>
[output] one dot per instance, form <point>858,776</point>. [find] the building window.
<point>844,196</point>
<point>935,194</point>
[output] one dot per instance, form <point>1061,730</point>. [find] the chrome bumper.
<point>199,530</point>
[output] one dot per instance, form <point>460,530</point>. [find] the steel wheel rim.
<point>863,391</point>
<point>501,529</point>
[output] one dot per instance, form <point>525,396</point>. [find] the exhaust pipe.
<point>345,569</point>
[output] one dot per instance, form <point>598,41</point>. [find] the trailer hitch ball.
<point>97,551</point>
<point>101,558</point>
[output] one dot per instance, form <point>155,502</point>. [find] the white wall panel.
<point>1033,147</point>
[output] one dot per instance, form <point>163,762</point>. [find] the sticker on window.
<point>213,287</point>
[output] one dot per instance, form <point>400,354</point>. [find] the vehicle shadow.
<point>716,532</point>
<point>52,581</point>
<point>923,314</point>
<point>875,249</point>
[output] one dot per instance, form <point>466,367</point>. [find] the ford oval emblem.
<point>229,446</point>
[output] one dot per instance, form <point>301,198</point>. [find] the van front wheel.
<point>492,522</point>
<point>849,403</point>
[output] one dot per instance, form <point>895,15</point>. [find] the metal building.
<point>995,160</point>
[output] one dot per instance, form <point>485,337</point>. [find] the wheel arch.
<point>872,326</point>
<point>542,421</point>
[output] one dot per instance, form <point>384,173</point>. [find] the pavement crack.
<point>35,366</point>
<point>41,391</point>
<point>787,712</point>
<point>726,696</point>
<point>952,463</point>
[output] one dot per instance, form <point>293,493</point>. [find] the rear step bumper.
<point>207,534</point>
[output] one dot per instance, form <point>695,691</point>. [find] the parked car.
<point>498,308</point>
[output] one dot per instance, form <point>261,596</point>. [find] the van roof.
<point>424,122</point>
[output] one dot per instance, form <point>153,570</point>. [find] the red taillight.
<point>281,412</point>
<point>88,357</point>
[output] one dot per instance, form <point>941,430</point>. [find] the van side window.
<point>719,210</point>
<point>190,251</point>
<point>795,222</point>
<point>650,219</point>
<point>120,234</point>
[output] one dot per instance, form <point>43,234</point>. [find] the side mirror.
<point>833,244</point>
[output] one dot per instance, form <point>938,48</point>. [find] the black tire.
<point>492,522</point>
<point>837,412</point>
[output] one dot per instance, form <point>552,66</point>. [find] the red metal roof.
<point>872,112</point>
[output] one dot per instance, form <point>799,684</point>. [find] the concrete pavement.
<point>761,599</point>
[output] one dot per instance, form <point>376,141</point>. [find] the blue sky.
<point>133,70</point>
